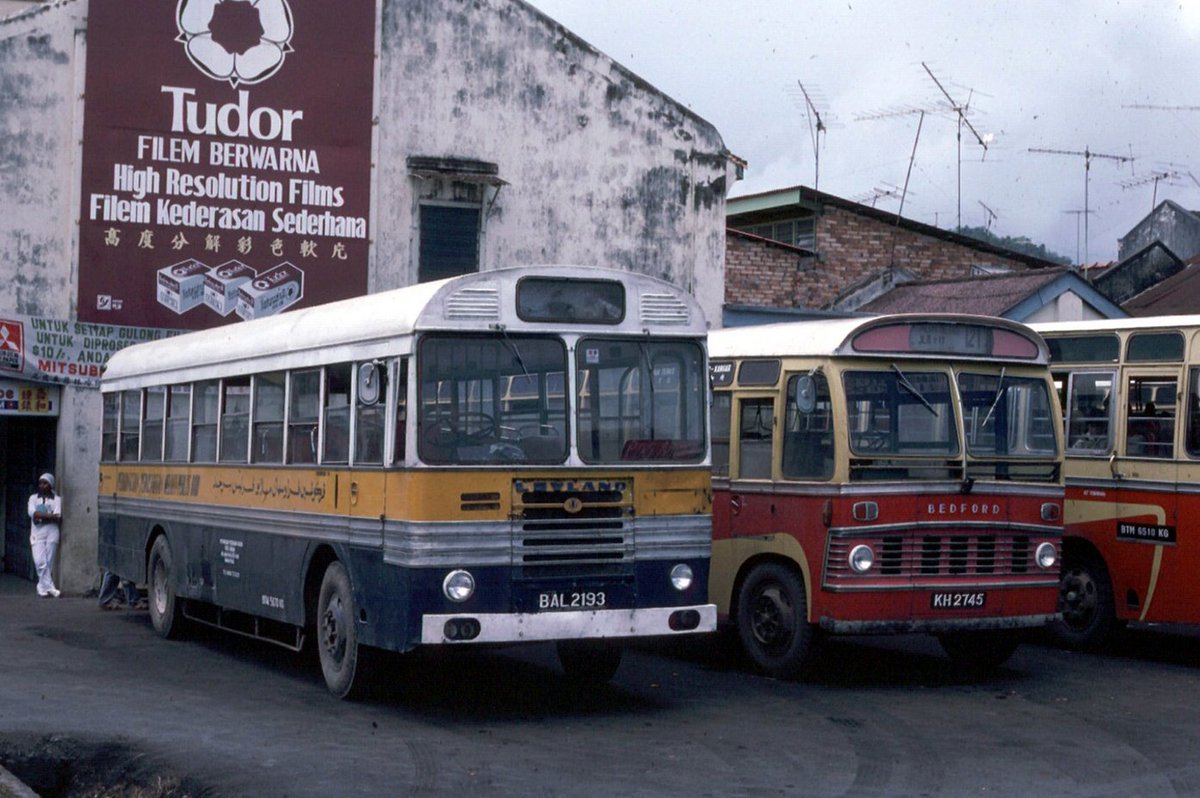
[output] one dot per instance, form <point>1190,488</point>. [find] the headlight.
<point>1047,555</point>
<point>681,577</point>
<point>458,586</point>
<point>862,558</point>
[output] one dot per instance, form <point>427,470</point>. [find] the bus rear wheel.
<point>343,660</point>
<point>772,620</point>
<point>165,611</point>
<point>589,661</point>
<point>1085,599</point>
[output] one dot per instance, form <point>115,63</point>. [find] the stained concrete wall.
<point>600,169</point>
<point>41,80</point>
<point>1177,228</point>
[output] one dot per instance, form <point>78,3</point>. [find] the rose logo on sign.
<point>242,41</point>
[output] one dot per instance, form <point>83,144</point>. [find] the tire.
<point>1085,599</point>
<point>772,620</point>
<point>980,651</point>
<point>589,661</point>
<point>343,660</point>
<point>166,612</point>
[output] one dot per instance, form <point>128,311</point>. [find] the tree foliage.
<point>1019,244</point>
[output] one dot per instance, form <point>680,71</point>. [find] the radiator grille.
<point>556,523</point>
<point>949,554</point>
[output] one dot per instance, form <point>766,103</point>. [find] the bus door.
<point>752,509</point>
<point>374,382</point>
<point>1146,577</point>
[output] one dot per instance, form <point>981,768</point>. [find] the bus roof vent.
<point>664,309</point>
<point>474,302</point>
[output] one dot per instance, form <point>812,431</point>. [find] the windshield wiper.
<point>996,401</point>
<point>512,347</point>
<point>912,389</point>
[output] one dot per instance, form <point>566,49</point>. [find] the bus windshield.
<point>640,400</point>
<point>492,400</point>
<point>900,413</point>
<point>1007,416</point>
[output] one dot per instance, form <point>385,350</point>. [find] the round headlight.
<point>862,558</point>
<point>681,576</point>
<point>1047,555</point>
<point>458,586</point>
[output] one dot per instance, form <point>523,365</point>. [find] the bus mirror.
<point>370,381</point>
<point>805,393</point>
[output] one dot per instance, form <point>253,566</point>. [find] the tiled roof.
<point>1177,294</point>
<point>990,295</point>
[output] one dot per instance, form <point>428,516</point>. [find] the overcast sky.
<point>1037,75</point>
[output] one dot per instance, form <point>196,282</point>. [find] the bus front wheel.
<point>772,620</point>
<point>1085,599</point>
<point>165,612</point>
<point>342,659</point>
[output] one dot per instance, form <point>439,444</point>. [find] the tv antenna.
<point>1088,155</point>
<point>1167,176</point>
<point>901,110</point>
<point>885,191</point>
<point>961,110</point>
<point>991,215</point>
<point>816,128</point>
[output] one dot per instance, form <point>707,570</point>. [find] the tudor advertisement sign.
<point>226,159</point>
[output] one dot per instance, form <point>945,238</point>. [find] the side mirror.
<point>805,393</point>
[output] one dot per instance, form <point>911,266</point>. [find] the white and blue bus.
<point>508,456</point>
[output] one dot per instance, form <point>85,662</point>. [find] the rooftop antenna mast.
<point>961,111</point>
<point>991,215</point>
<point>1167,176</point>
<point>1078,214</point>
<point>1088,155</point>
<point>816,128</point>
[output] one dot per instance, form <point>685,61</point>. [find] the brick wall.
<point>852,249</point>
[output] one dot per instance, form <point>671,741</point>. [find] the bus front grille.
<point>572,522</point>
<point>966,554</point>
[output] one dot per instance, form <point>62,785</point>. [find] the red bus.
<point>1130,393</point>
<point>884,475</point>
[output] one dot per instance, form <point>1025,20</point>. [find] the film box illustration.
<point>221,285</point>
<point>181,287</point>
<point>272,291</point>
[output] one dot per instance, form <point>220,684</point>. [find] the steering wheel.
<point>449,432</point>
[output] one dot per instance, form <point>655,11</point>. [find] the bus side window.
<point>303,416</point>
<point>1150,427</point>
<point>178,421</point>
<point>267,421</point>
<point>401,411</point>
<point>337,414</point>
<point>235,419</point>
<point>152,425</point>
<point>722,403</point>
<point>754,438</point>
<point>808,436</point>
<point>204,421</point>
<point>1087,414</point>
<point>1193,418</point>
<point>109,427</point>
<point>369,417</point>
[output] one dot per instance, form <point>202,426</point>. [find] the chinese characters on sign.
<point>226,159</point>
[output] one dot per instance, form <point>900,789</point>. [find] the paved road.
<point>223,717</point>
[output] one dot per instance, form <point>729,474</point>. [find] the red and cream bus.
<point>881,475</point>
<point>1130,393</point>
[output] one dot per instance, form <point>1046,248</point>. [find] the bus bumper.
<point>527,627</point>
<point>936,626</point>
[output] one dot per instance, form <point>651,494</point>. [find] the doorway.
<point>28,445</point>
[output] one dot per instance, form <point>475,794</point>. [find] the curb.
<point>12,787</point>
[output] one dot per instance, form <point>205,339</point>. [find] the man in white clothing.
<point>45,511</point>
